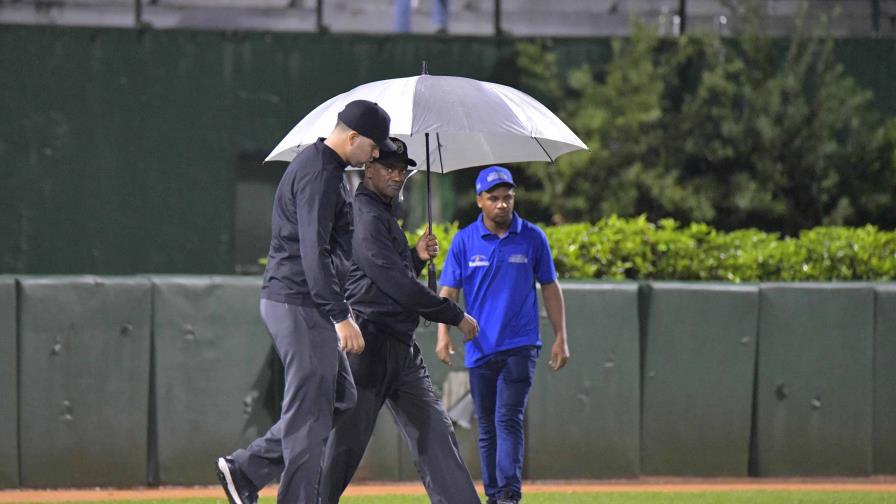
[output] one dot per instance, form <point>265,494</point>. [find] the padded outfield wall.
<point>126,381</point>
<point>9,385</point>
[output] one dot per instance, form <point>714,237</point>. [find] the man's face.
<point>497,205</point>
<point>361,149</point>
<point>386,178</point>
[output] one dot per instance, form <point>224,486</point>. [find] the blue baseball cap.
<point>492,176</point>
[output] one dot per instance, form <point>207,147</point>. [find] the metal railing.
<point>866,17</point>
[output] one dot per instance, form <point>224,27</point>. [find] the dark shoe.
<point>238,487</point>
<point>509,497</point>
<point>491,500</point>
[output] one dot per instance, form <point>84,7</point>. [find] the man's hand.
<point>559,353</point>
<point>350,338</point>
<point>427,246</point>
<point>469,327</point>
<point>444,345</point>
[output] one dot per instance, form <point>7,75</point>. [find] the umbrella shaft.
<point>428,186</point>
<point>431,271</point>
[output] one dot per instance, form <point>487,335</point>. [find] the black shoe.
<point>238,487</point>
<point>491,500</point>
<point>509,497</point>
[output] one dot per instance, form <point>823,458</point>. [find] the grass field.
<point>736,497</point>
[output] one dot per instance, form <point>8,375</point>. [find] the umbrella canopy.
<point>470,122</point>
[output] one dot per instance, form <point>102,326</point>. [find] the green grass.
<point>732,497</point>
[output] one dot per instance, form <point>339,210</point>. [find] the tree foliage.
<point>749,132</point>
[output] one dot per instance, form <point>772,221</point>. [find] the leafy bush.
<point>616,248</point>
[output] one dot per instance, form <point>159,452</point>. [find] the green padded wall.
<point>814,390</point>
<point>9,407</point>
<point>582,422</point>
<point>885,380</point>
<point>84,394</point>
<point>700,353</point>
<point>213,375</point>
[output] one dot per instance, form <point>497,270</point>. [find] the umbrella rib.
<point>545,150</point>
<point>439,146</point>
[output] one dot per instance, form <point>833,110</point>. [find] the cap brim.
<point>497,183</point>
<point>387,145</point>
<point>390,159</point>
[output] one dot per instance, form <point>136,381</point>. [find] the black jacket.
<point>311,234</point>
<point>382,284</point>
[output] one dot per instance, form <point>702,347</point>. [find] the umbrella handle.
<point>431,274</point>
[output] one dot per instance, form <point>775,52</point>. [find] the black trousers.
<point>393,373</point>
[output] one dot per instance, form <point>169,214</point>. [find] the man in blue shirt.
<point>496,261</point>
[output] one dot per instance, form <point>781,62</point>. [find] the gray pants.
<point>391,372</point>
<point>318,389</point>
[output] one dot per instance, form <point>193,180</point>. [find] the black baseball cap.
<point>370,120</point>
<point>400,154</point>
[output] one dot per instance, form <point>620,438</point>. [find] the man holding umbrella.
<point>496,261</point>
<point>387,299</point>
<point>303,306</point>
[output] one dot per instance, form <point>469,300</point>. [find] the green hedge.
<point>619,248</point>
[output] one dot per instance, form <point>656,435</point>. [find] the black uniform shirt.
<point>382,283</point>
<point>311,233</point>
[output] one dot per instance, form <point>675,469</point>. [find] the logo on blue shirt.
<point>518,258</point>
<point>478,260</point>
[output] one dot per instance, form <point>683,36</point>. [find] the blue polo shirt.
<point>497,275</point>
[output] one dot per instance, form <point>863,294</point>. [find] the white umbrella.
<point>451,122</point>
<point>471,123</point>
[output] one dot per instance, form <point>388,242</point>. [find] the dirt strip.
<point>874,484</point>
